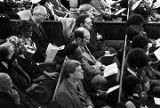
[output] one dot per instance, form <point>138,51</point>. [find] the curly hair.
<point>140,42</point>
<point>137,58</point>
<point>135,19</point>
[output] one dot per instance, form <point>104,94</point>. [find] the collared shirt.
<point>132,72</point>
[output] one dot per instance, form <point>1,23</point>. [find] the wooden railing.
<point>109,30</point>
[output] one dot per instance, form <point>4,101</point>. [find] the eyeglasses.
<point>86,39</point>
<point>89,23</point>
<point>44,15</point>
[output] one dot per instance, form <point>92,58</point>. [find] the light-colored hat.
<point>35,1</point>
<point>5,81</point>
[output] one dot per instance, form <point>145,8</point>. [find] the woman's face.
<point>28,32</point>
<point>12,52</point>
<point>138,88</point>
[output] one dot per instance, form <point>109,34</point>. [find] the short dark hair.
<point>69,67</point>
<point>70,49</point>
<point>23,26</point>
<point>81,20</point>
<point>78,34</point>
<point>137,58</point>
<point>135,19</point>
<point>140,42</point>
<point>133,30</point>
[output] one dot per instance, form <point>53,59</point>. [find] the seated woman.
<point>7,55</point>
<point>9,63</point>
<point>24,31</point>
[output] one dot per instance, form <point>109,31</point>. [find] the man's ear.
<point>70,75</point>
<point>79,39</point>
<point>81,25</point>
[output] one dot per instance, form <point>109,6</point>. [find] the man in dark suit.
<point>39,36</point>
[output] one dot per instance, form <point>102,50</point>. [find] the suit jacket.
<point>88,56</point>
<point>90,71</point>
<point>67,96</point>
<point>41,41</point>
<point>95,46</point>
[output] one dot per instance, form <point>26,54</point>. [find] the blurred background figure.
<point>9,97</point>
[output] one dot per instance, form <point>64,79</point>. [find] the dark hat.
<point>41,95</point>
<point>54,105</point>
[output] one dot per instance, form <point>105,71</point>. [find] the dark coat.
<point>41,41</point>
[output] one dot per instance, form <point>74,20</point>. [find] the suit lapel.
<point>36,29</point>
<point>41,28</point>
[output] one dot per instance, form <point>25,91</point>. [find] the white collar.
<point>132,72</point>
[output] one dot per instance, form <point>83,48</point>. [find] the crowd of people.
<point>75,77</point>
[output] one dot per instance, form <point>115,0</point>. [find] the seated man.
<point>137,63</point>
<point>93,81</point>
<point>96,45</point>
<point>73,51</point>
<point>70,93</point>
<point>82,38</point>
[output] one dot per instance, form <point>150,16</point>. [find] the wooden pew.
<point>153,30</point>
<point>109,30</point>
<point>54,32</point>
<point>116,30</point>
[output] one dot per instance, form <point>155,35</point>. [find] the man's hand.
<point>99,36</point>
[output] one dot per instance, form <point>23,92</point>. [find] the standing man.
<point>39,36</point>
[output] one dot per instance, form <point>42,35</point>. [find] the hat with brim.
<point>35,1</point>
<point>41,95</point>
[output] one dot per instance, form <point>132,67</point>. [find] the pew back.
<point>109,30</point>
